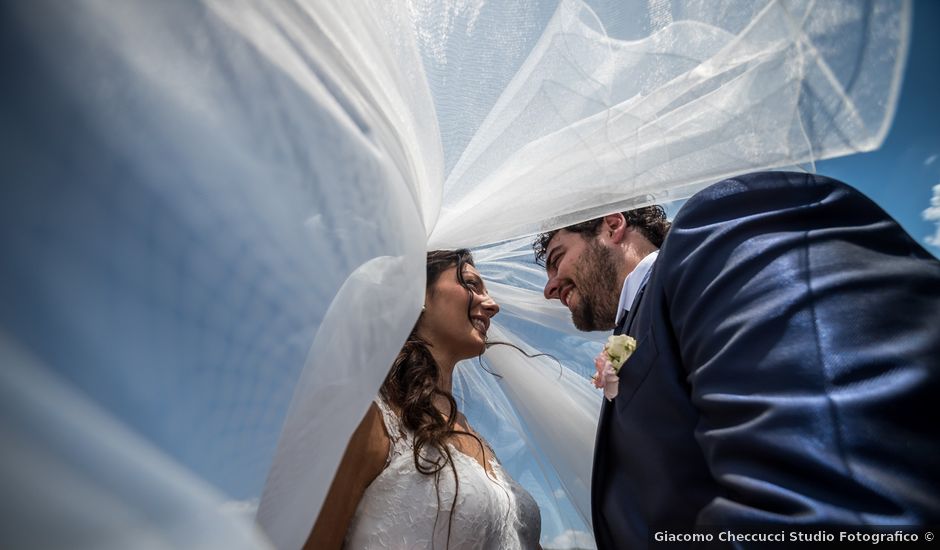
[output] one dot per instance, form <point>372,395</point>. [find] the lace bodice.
<point>404,508</point>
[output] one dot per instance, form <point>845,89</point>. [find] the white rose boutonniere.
<point>608,362</point>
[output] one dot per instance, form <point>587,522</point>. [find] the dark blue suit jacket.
<point>788,359</point>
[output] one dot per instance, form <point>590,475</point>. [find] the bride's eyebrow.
<point>472,277</point>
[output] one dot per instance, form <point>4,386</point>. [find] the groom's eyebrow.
<point>551,256</point>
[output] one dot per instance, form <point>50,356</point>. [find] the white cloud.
<point>571,539</point>
<point>930,160</point>
<point>245,509</point>
<point>560,493</point>
<point>932,214</point>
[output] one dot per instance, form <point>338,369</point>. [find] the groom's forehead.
<point>559,240</point>
<point>561,237</point>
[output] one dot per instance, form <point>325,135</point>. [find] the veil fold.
<point>218,212</point>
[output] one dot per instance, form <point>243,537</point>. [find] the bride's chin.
<point>471,350</point>
<point>479,346</point>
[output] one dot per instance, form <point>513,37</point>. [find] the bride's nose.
<point>489,305</point>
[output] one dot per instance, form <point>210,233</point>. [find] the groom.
<point>788,357</point>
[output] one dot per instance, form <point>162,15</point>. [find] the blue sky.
<point>901,175</point>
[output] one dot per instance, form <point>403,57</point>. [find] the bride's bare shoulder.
<point>363,461</point>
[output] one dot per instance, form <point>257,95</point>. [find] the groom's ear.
<point>615,227</point>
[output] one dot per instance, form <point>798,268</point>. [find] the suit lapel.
<point>625,326</point>
<point>597,472</point>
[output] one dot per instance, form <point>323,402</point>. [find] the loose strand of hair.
<point>523,352</point>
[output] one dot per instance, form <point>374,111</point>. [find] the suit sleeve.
<point>808,325</point>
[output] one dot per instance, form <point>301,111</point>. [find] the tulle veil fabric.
<point>222,209</point>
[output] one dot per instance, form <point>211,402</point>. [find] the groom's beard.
<point>597,284</point>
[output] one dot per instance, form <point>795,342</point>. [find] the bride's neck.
<point>445,381</point>
<point>445,366</point>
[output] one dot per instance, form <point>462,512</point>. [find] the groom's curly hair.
<point>650,221</point>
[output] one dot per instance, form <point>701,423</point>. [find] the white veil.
<point>218,213</point>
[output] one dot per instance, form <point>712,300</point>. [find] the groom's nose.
<point>551,289</point>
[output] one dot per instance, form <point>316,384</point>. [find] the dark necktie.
<point>621,325</point>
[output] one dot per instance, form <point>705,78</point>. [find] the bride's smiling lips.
<point>481,323</point>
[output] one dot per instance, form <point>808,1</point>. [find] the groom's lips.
<point>565,293</point>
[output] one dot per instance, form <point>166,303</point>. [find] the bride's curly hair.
<point>412,384</point>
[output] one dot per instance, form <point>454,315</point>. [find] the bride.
<point>415,473</point>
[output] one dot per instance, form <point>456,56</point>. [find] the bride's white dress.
<point>404,508</point>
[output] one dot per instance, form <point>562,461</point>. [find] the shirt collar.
<point>633,282</point>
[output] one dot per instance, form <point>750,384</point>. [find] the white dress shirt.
<point>633,282</point>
